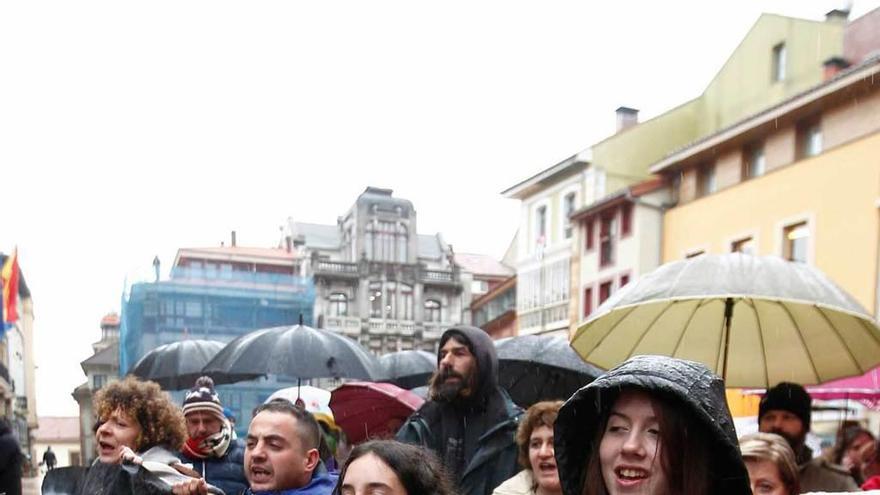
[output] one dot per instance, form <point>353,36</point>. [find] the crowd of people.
<point>653,425</point>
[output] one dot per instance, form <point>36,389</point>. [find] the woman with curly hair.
<point>134,417</point>
<point>534,439</point>
<point>139,429</point>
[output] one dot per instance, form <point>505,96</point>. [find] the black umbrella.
<point>177,365</point>
<point>296,352</point>
<point>533,368</point>
<point>408,369</point>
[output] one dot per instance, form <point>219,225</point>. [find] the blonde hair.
<point>773,448</point>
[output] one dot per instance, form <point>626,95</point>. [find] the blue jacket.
<point>226,473</point>
<point>322,483</point>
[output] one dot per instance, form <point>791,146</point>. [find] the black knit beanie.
<point>789,397</point>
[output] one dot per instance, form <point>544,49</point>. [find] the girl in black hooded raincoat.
<point>653,425</point>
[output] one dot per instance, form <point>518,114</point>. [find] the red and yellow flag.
<point>9,278</point>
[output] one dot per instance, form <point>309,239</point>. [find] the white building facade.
<point>544,240</point>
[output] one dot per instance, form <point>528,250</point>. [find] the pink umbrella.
<point>367,410</point>
<point>864,388</point>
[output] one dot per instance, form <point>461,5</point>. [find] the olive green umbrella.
<point>756,321</point>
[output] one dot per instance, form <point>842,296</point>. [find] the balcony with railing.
<point>347,325</point>
<point>336,268</point>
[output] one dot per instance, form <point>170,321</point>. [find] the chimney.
<point>288,243</point>
<point>232,240</point>
<point>833,66</point>
<point>838,15</point>
<point>626,118</point>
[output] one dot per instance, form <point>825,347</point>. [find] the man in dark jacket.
<point>786,410</point>
<point>468,421</point>
<point>10,460</point>
<point>210,448</point>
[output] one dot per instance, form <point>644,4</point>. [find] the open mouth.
<point>631,475</point>
<point>260,475</point>
<point>547,466</point>
<point>105,447</point>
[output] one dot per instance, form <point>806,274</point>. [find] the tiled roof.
<point>110,320</point>
<point>57,428</point>
<point>431,246</point>
<point>481,264</point>
<point>107,356</point>
<point>317,235</point>
<point>231,251</point>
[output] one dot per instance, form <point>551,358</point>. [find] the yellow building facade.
<point>817,205</point>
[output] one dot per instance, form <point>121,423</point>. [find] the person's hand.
<point>126,455</point>
<point>191,487</point>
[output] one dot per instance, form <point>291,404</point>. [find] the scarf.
<point>214,445</point>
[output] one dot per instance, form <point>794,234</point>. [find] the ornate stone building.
<point>377,279</point>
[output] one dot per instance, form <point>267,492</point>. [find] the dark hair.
<point>846,435</point>
<point>539,414</point>
<point>417,468</point>
<point>307,427</point>
<point>160,419</point>
<point>683,449</point>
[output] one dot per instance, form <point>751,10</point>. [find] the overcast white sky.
<point>129,129</point>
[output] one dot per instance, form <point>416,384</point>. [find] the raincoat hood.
<point>483,349</point>
<point>689,384</point>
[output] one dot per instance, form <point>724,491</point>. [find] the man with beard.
<point>210,446</point>
<point>786,411</point>
<point>468,420</point>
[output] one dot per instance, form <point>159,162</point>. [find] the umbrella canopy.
<point>408,369</point>
<point>176,366</point>
<point>367,410</point>
<point>533,368</point>
<point>317,400</point>
<point>294,351</point>
<point>756,321</point>
<point>863,388</point>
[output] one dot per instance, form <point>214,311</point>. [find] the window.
<point>795,239</point>
<point>706,179</point>
<point>745,245</point>
<point>375,300</point>
<point>433,310</point>
<point>626,219</point>
<point>541,225</point>
<point>624,279</point>
<point>607,229</point>
<point>386,241</point>
<point>568,209</point>
<point>604,291</point>
<point>778,68</point>
<point>98,381</point>
<point>756,165</point>
<point>809,139</point>
<point>588,231</point>
<point>479,286</point>
<point>588,301</point>
<point>338,304</point>
<point>405,311</point>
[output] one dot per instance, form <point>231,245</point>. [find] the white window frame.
<point>563,220</point>
<point>779,229</point>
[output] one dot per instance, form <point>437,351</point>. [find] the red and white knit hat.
<point>203,397</point>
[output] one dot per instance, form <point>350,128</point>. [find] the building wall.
<point>862,37</point>
<point>859,116</point>
<point>728,169</point>
<point>780,148</point>
<point>744,84</point>
<point>836,192</point>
